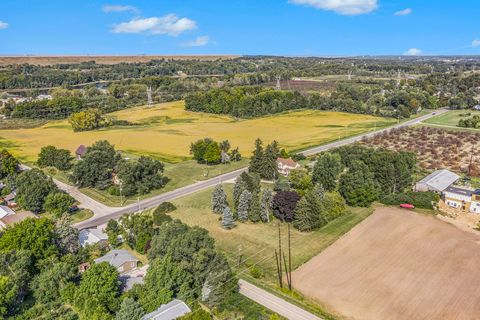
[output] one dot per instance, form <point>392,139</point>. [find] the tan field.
<point>397,265</point>
<point>51,60</point>
<point>167,130</point>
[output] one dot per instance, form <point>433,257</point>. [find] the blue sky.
<point>278,27</point>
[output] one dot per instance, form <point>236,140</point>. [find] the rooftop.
<point>116,258</point>
<point>287,162</point>
<point>172,310</point>
<point>440,179</point>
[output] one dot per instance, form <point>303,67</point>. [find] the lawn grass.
<point>452,117</point>
<point>166,131</point>
<point>81,215</point>
<point>250,244</point>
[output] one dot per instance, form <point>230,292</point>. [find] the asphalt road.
<point>274,303</point>
<point>104,213</point>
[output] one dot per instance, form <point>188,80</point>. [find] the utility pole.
<point>278,87</point>
<point>149,96</point>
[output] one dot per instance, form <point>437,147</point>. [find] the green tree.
<point>140,177</point>
<point>50,156</point>
<point>256,162</point>
<point>333,206</point>
<point>326,170</point>
<point>213,154</point>
<point>269,168</point>
<point>47,285</point>
<point>219,199</point>
<point>199,314</point>
<point>308,212</point>
<point>357,186</point>
<point>33,186</point>
<point>244,205</point>
<point>255,211</point>
<point>113,231</point>
<point>66,235</point>
<point>266,205</point>
<point>99,291</point>
<point>227,219</point>
<point>89,119</point>
<point>300,180</point>
<point>9,165</point>
<point>130,310</point>
<point>220,283</point>
<point>58,203</point>
<point>239,186</point>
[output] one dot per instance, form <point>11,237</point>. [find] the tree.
<point>130,310</point>
<point>326,170</point>
<point>224,145</point>
<point>255,211</point>
<point>58,203</point>
<point>66,235</point>
<point>9,165</point>
<point>219,199</point>
<point>36,235</point>
<point>113,231</point>
<point>207,151</point>
<point>8,295</point>
<point>140,177</point>
<point>227,219</point>
<point>89,119</point>
<point>99,291</point>
<point>266,205</point>
<point>308,212</point>
<point>199,314</point>
<point>50,156</point>
<point>283,205</point>
<point>357,186</point>
<point>47,285</point>
<point>244,205</point>
<point>213,154</point>
<point>33,186</point>
<point>269,166</point>
<point>220,283</point>
<point>256,162</point>
<point>333,206</point>
<point>239,186</point>
<point>300,180</point>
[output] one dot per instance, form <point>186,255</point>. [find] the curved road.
<point>104,213</point>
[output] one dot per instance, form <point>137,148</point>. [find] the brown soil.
<point>397,265</point>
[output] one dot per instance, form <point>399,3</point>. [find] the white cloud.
<point>345,7</point>
<point>413,52</point>
<point>404,12</point>
<point>119,8</point>
<point>198,42</point>
<point>3,25</point>
<point>169,24</point>
<point>475,43</point>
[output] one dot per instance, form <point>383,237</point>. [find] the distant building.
<point>13,219</point>
<point>438,181</point>
<point>170,311</point>
<point>284,166</point>
<point>91,237</point>
<point>80,152</point>
<point>463,199</point>
<point>477,107</point>
<point>44,97</point>
<point>10,199</point>
<point>123,260</point>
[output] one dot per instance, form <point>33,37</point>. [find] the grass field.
<point>256,242</point>
<point>397,265</point>
<point>452,117</point>
<point>166,130</point>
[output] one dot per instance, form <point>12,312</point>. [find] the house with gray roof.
<point>92,236</point>
<point>170,311</point>
<point>123,260</point>
<point>437,181</point>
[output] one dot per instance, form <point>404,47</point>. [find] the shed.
<point>80,152</point>
<point>437,181</point>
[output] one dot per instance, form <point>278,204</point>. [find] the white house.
<point>284,166</point>
<point>5,211</point>
<point>91,236</point>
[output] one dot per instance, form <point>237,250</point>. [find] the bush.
<point>113,191</point>
<point>422,200</point>
<point>255,272</point>
<point>160,214</point>
<point>165,207</point>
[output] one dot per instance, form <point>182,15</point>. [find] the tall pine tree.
<point>269,169</point>
<point>219,199</point>
<point>227,219</point>
<point>266,205</point>
<point>129,310</point>
<point>256,162</point>
<point>326,170</point>
<point>244,205</point>
<point>255,210</point>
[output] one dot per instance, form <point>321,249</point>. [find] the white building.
<point>170,311</point>
<point>91,237</point>
<point>284,166</point>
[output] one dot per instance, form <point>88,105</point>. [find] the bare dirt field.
<point>50,60</point>
<point>397,265</point>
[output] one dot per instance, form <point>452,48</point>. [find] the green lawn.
<point>451,117</point>
<point>80,215</point>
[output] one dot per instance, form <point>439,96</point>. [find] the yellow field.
<point>166,131</point>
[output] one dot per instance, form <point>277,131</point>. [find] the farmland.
<point>452,117</point>
<point>435,148</point>
<point>397,265</point>
<point>165,131</point>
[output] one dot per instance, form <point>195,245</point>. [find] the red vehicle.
<point>407,206</point>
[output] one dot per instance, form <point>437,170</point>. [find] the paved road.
<point>103,214</point>
<point>274,303</point>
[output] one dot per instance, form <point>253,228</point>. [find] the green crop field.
<point>452,117</point>
<point>166,131</point>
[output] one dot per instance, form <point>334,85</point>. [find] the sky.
<point>246,27</point>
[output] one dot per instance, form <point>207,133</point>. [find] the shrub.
<point>165,207</point>
<point>113,191</point>
<point>423,200</point>
<point>255,272</point>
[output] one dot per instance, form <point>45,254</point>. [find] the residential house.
<point>170,311</point>
<point>123,260</point>
<point>284,166</point>
<point>5,211</point>
<point>466,200</point>
<point>92,236</point>
<point>80,152</point>
<point>10,199</point>
<point>13,219</point>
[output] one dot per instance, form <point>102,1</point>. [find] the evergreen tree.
<point>238,188</point>
<point>326,170</point>
<point>357,186</point>
<point>130,310</point>
<point>269,169</point>
<point>256,162</point>
<point>219,199</point>
<point>266,205</point>
<point>308,212</point>
<point>227,219</point>
<point>244,205</point>
<point>255,209</point>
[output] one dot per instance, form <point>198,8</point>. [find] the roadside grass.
<point>81,215</point>
<point>166,131</point>
<point>451,118</point>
